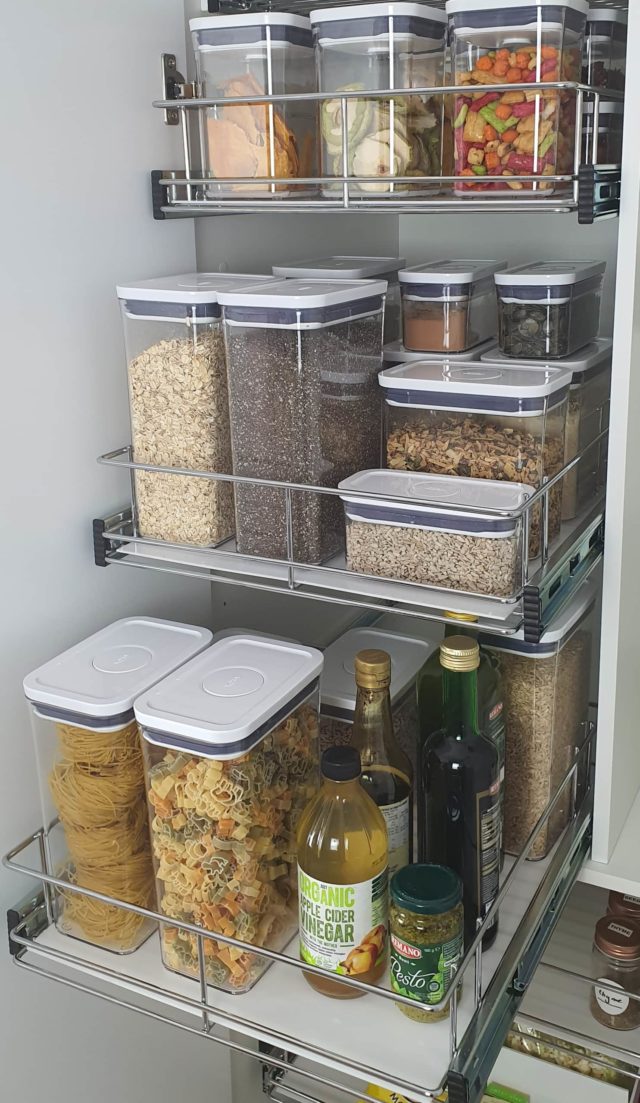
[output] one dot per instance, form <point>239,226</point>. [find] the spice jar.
<point>624,906</point>
<point>449,305</point>
<point>426,926</point>
<point>616,965</point>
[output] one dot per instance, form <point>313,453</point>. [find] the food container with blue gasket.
<point>231,759</point>
<point>303,358</point>
<point>479,421</point>
<point>604,145</point>
<point>549,309</point>
<point>354,268</point>
<point>587,419</point>
<point>437,531</point>
<point>368,48</point>
<point>91,776</point>
<point>604,61</point>
<point>248,55</point>
<point>449,305</point>
<point>179,404</point>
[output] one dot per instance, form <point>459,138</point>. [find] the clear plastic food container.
<point>522,132</point>
<point>91,774</point>
<point>422,539</point>
<point>395,353</point>
<point>338,685</point>
<point>546,702</point>
<point>587,418</point>
<point>610,133</point>
<point>549,309</point>
<point>369,47</point>
<point>605,48</point>
<point>449,305</point>
<point>481,421</point>
<point>256,54</point>
<point>231,759</point>
<point>179,404</point>
<point>355,268</point>
<point>303,358</point>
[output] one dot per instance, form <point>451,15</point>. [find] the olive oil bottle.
<point>387,773</point>
<point>343,892</point>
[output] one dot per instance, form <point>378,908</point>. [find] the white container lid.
<point>194,288</point>
<point>454,7</point>
<point>375,11</point>
<point>612,108</point>
<point>607,15</point>
<point>343,268</point>
<point>554,638</point>
<point>394,353</point>
<point>100,677</point>
<point>550,273</point>
<point>450,271</point>
<point>303,294</point>
<point>223,703</point>
<point>589,361</point>
<point>226,633</point>
<point>248,19</point>
<point>509,389</point>
<point>338,686</point>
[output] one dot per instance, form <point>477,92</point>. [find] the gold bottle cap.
<point>459,653</point>
<point>468,618</point>
<point>373,669</point>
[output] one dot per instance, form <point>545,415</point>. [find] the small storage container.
<point>480,421</point>
<point>256,54</point>
<point>437,533</point>
<point>587,418</point>
<point>449,305</point>
<point>231,759</point>
<point>549,309</point>
<point>179,404</point>
<point>546,703</point>
<point>608,148</point>
<point>303,359</point>
<point>91,775</point>
<point>605,48</point>
<point>338,685</point>
<point>369,47</point>
<point>515,42</point>
<point>615,967</point>
<point>395,353</point>
<point>355,268</point>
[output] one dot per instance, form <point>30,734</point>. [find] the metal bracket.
<point>32,910</point>
<point>542,602</point>
<point>101,543</point>
<point>599,189</point>
<point>174,87</point>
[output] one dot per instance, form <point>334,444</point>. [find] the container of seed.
<point>426,927</point>
<point>548,310</point>
<point>303,359</point>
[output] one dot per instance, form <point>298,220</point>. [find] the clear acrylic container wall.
<point>336,731</point>
<point>255,55</point>
<point>522,132</point>
<point>365,48</point>
<point>605,49</point>
<point>603,147</point>
<point>223,835</point>
<point>587,418</point>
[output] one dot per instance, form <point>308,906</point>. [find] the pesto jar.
<point>426,925</point>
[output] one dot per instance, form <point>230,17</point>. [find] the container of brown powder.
<point>449,305</point>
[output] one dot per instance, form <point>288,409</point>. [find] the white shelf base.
<point>622,872</point>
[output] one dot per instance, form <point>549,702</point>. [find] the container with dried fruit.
<point>609,136</point>
<point>519,132</point>
<point>179,404</point>
<point>548,310</point>
<point>587,418</point>
<point>480,421</point>
<point>257,54</point>
<point>449,305</point>
<point>438,532</point>
<point>604,61</point>
<point>355,268</point>
<point>395,353</point>
<point>303,361</point>
<point>367,47</point>
<point>615,967</point>
<point>231,759</point>
<point>546,704</point>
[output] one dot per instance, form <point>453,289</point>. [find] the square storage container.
<point>231,759</point>
<point>256,54</point>
<point>546,701</point>
<point>605,48</point>
<point>303,359</point>
<point>355,268</point>
<point>587,418</point>
<point>368,48</point>
<point>179,404</point>
<point>515,42</point>
<point>608,141</point>
<point>480,421</point>
<point>449,305</point>
<point>549,309</point>
<point>91,774</point>
<point>437,533</point>
<point>395,353</point>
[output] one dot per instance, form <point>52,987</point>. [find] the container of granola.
<point>449,305</point>
<point>546,704</point>
<point>480,421</point>
<point>249,55</point>
<point>549,309</point>
<point>231,759</point>
<point>451,533</point>
<point>521,132</point>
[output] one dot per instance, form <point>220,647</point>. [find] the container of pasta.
<point>91,774</point>
<point>230,745</point>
